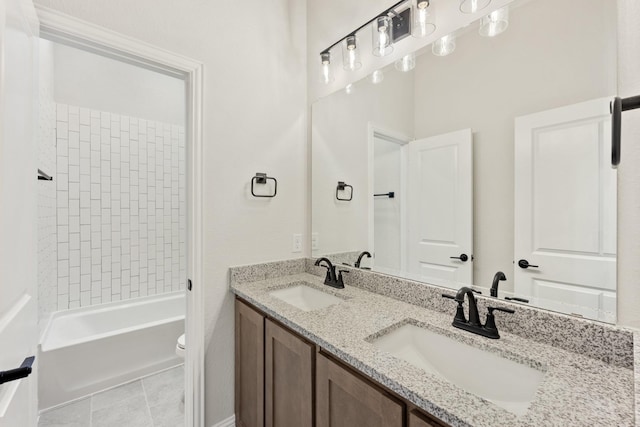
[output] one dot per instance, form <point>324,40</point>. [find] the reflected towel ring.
<point>342,186</point>
<point>262,178</point>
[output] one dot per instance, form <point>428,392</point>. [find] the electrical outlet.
<point>297,243</point>
<point>315,241</point>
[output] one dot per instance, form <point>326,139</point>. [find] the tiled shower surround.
<point>120,207</point>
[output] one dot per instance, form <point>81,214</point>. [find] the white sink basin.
<point>506,383</point>
<point>305,297</point>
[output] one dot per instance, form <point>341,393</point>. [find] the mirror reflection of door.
<point>440,209</point>
<point>389,221</point>
<point>562,155</point>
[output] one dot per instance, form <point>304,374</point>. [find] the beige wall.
<point>255,121</point>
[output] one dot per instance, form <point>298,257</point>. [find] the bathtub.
<point>86,350</point>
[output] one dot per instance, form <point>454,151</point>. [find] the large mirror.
<point>494,158</point>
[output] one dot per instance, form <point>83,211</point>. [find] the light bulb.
<point>495,23</point>
<point>423,18</point>
<point>326,76</point>
<point>444,46</point>
<point>377,77</point>
<point>350,54</point>
<point>472,6</point>
<point>349,89</point>
<point>382,36</point>
<point>406,63</point>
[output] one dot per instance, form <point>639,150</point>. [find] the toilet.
<point>180,346</point>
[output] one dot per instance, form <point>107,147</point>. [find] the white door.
<point>440,209</point>
<point>565,209</point>
<point>18,195</point>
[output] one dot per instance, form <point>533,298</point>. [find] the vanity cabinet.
<point>277,373</point>
<point>249,367</point>
<point>288,378</point>
<point>344,399</point>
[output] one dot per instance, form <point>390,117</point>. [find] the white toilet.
<point>180,346</point>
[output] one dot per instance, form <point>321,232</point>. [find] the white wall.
<point>255,121</point>
<point>340,153</point>
<point>92,81</point>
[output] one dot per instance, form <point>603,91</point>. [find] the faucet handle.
<point>448,296</point>
<point>506,310</point>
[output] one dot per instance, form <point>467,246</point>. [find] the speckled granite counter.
<point>576,390</point>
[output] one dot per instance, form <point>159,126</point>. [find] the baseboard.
<point>229,422</point>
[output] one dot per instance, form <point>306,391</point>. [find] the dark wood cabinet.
<point>419,419</point>
<point>249,369</point>
<point>284,381</point>
<point>344,399</point>
<point>288,378</point>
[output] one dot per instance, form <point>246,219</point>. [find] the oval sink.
<point>305,297</point>
<point>506,383</point>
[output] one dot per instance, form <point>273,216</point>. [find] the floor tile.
<point>72,415</point>
<point>133,412</point>
<point>164,387</point>
<point>116,395</point>
<point>169,414</point>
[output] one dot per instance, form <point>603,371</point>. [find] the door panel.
<point>249,366</point>
<point>440,209</point>
<point>565,209</point>
<point>18,204</point>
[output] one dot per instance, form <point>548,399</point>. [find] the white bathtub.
<point>85,350</point>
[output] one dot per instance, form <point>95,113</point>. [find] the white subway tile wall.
<point>121,208</point>
<point>47,244</point>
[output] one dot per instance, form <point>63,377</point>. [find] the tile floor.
<point>153,401</point>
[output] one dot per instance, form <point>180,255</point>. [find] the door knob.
<point>462,257</point>
<point>523,263</point>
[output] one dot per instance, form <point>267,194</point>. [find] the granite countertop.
<point>575,391</point>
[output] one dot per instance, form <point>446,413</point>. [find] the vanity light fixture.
<point>406,63</point>
<point>382,36</point>
<point>326,75</point>
<point>377,77</point>
<point>495,23</point>
<point>472,6</point>
<point>424,18</point>
<point>350,54</point>
<point>444,46</point>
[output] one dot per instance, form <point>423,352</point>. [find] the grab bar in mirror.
<point>262,178</point>
<point>617,106</point>
<point>43,176</point>
<point>390,194</point>
<point>342,186</point>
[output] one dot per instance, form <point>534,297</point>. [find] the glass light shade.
<point>377,77</point>
<point>326,75</point>
<point>349,89</point>
<point>406,63</point>
<point>424,18</point>
<point>350,54</point>
<point>472,6</point>
<point>444,46</point>
<point>382,36</point>
<point>495,23</point>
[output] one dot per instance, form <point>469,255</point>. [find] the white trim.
<point>66,29</point>
<point>229,422</point>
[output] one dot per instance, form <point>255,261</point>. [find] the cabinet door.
<point>344,399</point>
<point>418,419</point>
<point>249,390</point>
<point>288,378</point>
